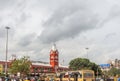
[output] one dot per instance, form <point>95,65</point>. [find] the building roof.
<point>41,63</point>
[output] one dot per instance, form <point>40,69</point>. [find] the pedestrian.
<point>68,79</point>
<point>26,79</point>
<point>13,79</point>
<point>33,79</point>
<point>47,79</point>
<point>118,79</point>
<point>0,79</point>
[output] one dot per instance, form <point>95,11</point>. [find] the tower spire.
<point>54,57</point>
<point>54,47</point>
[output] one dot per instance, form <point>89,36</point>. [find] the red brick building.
<point>43,67</point>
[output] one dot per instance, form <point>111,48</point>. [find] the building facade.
<point>39,67</point>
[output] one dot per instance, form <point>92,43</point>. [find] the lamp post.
<point>87,52</point>
<point>7,28</point>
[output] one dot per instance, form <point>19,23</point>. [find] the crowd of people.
<point>35,78</point>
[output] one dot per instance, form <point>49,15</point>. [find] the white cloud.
<point>72,24</point>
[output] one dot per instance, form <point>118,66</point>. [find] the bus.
<point>79,75</point>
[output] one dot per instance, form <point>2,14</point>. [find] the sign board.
<point>105,66</point>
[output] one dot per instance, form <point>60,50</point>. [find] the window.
<point>88,75</point>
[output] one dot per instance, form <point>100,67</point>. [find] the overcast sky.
<point>73,25</point>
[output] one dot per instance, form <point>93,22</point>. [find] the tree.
<point>113,72</point>
<point>79,63</point>
<point>20,65</point>
<point>83,63</point>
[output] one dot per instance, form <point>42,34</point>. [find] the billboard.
<point>103,66</point>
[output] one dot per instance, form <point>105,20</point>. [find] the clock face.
<point>51,52</point>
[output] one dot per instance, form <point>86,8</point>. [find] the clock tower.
<point>54,58</point>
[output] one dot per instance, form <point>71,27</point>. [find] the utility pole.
<point>6,66</point>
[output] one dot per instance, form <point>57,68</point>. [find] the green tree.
<point>113,72</point>
<point>83,63</point>
<point>21,65</point>
<point>79,63</point>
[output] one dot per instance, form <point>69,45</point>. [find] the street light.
<point>7,28</point>
<point>87,52</point>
